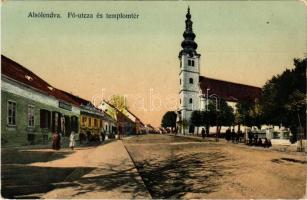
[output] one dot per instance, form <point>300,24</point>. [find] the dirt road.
<point>176,167</point>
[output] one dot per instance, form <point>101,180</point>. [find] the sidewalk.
<point>114,175</point>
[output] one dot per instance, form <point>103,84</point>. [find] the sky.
<point>239,41</point>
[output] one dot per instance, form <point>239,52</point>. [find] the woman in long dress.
<point>72,140</point>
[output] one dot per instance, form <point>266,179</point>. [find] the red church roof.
<point>229,91</point>
<point>19,73</point>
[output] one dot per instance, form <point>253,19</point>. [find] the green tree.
<point>209,117</point>
<point>225,114</point>
<point>224,117</point>
<point>169,120</point>
<point>246,111</point>
<point>284,96</point>
<point>196,119</point>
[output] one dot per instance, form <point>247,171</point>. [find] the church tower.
<point>189,76</point>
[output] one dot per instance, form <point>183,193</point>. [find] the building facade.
<point>94,122</point>
<point>31,109</point>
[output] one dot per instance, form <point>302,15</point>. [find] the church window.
<point>190,62</point>
<point>180,101</point>
<point>191,80</point>
<point>180,81</point>
<point>191,101</point>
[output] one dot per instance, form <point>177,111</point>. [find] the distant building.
<point>32,109</point>
<point>93,121</point>
<point>196,90</point>
<point>139,125</point>
<point>125,125</point>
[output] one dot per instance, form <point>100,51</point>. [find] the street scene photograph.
<point>153,99</point>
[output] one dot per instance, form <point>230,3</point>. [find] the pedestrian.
<point>228,134</point>
<point>203,133</point>
<point>59,141</point>
<point>54,140</point>
<point>238,137</point>
<point>233,135</point>
<point>82,137</point>
<point>259,143</point>
<point>267,143</point>
<point>72,140</point>
<point>103,136</point>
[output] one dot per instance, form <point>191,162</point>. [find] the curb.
<point>137,171</point>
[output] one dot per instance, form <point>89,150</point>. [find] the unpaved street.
<point>176,167</point>
<point>162,166</point>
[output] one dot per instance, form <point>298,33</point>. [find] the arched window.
<point>191,80</point>
<point>180,81</point>
<point>180,101</point>
<point>191,100</point>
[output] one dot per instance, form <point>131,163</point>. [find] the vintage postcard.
<point>153,99</point>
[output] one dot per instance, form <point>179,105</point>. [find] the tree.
<point>119,102</point>
<point>248,113</point>
<point>284,96</point>
<point>226,116</point>
<point>169,120</point>
<point>209,117</point>
<point>196,119</point>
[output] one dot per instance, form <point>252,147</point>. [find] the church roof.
<point>19,73</point>
<point>229,91</point>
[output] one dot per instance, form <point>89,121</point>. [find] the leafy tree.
<point>169,120</point>
<point>284,96</point>
<point>248,113</point>
<point>209,117</point>
<point>226,116</point>
<point>196,119</point>
<point>119,102</point>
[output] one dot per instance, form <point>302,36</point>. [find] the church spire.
<point>188,45</point>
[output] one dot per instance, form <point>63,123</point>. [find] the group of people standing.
<point>232,135</point>
<point>56,140</point>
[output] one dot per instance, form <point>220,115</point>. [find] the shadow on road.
<point>180,174</point>
<point>17,178</point>
<point>108,179</point>
<point>17,156</point>
<point>24,180</point>
<point>281,160</point>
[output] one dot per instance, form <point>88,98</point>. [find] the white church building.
<point>196,90</point>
